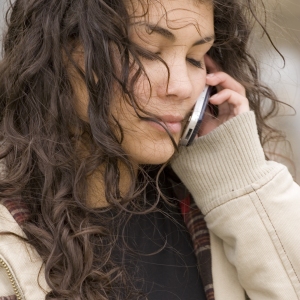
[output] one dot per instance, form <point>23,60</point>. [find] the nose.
<point>177,84</point>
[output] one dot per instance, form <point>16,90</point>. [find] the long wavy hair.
<point>40,129</point>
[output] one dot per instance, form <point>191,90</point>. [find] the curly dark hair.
<point>40,129</point>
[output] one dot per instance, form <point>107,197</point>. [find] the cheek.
<point>142,143</point>
<point>146,89</point>
<point>142,92</point>
<point>140,85</point>
<point>123,113</point>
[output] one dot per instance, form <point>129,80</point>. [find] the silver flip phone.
<point>194,122</point>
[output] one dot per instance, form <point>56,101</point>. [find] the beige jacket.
<point>252,209</point>
<point>251,206</point>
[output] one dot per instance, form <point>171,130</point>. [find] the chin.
<point>152,154</point>
<point>156,159</point>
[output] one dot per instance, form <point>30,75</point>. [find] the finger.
<point>237,103</point>
<point>209,123</point>
<point>211,65</point>
<point>225,81</point>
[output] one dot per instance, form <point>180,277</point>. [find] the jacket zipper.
<point>12,279</point>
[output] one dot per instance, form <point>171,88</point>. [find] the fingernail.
<point>210,75</point>
<point>214,96</point>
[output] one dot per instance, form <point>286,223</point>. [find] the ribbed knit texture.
<point>233,149</point>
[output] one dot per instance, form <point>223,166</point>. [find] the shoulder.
<point>20,263</point>
<point>9,214</point>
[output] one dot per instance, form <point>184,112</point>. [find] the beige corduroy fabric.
<point>252,210</point>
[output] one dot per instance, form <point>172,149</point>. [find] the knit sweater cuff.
<point>228,159</point>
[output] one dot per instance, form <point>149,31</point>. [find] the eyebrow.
<point>170,36</point>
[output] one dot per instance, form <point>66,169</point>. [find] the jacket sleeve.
<point>252,205</point>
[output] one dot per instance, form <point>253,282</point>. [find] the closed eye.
<point>146,54</point>
<point>196,63</point>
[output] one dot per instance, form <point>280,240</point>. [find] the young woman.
<point>94,97</point>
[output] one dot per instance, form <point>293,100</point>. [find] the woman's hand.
<point>230,98</point>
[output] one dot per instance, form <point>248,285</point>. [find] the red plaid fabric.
<point>196,225</point>
<point>17,209</point>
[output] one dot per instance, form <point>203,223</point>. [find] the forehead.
<point>175,14</point>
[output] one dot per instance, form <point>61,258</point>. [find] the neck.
<point>96,186</point>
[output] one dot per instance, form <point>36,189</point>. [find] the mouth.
<point>173,123</point>
<point>174,127</point>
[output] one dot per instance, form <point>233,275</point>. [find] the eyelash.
<point>196,63</point>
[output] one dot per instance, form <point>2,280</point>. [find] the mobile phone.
<point>194,121</point>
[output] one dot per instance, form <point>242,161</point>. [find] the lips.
<point>174,127</point>
<point>171,119</point>
<point>172,122</point>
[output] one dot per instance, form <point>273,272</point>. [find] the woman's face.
<point>181,32</point>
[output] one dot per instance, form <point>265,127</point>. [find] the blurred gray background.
<point>284,26</point>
